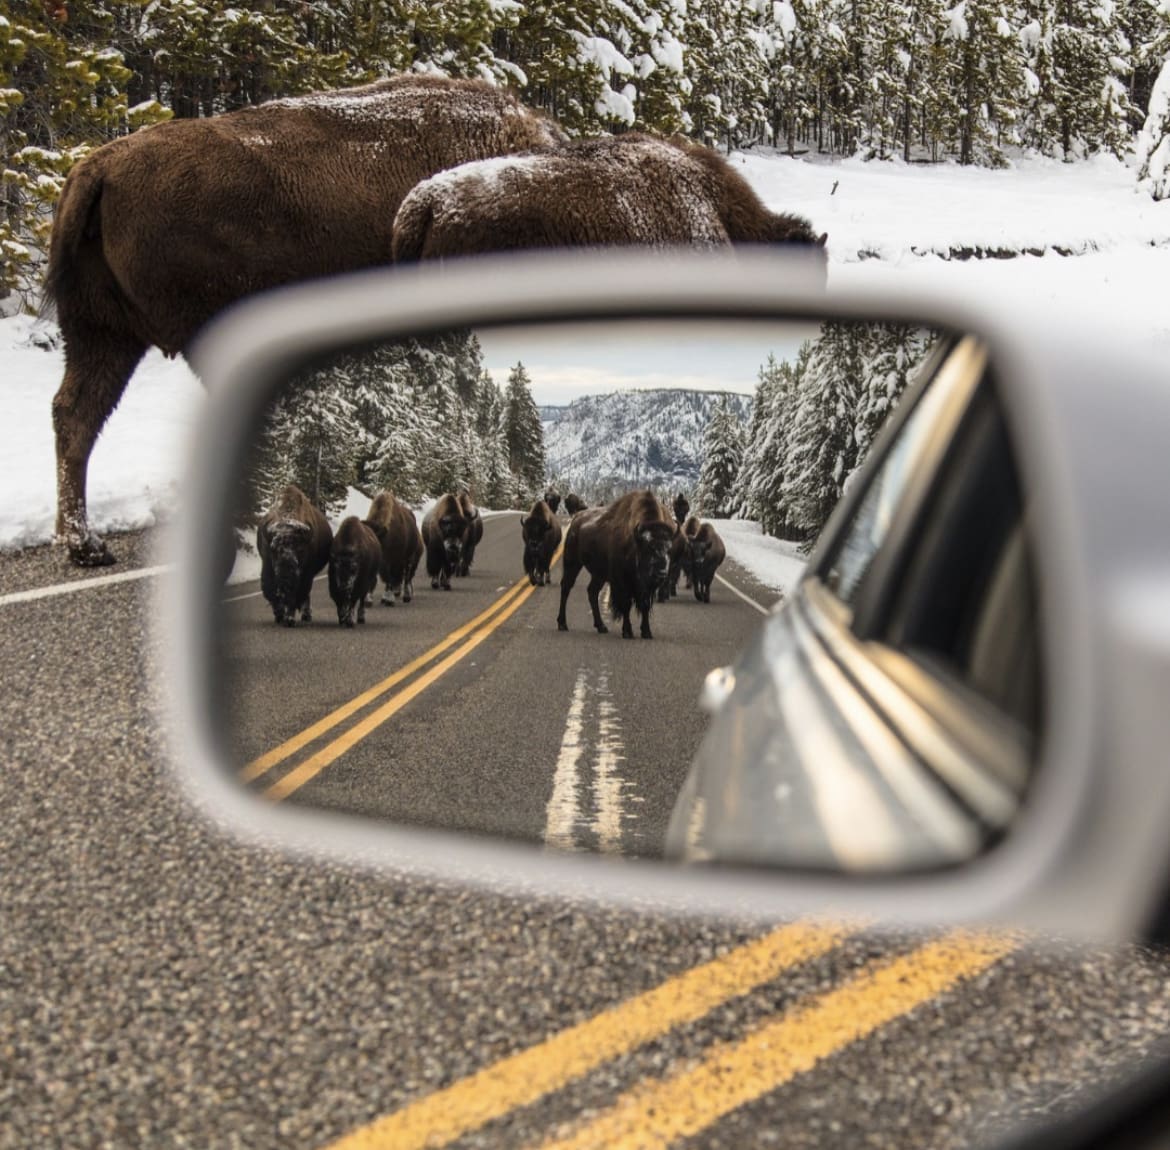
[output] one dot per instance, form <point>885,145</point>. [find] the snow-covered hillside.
<point>651,437</point>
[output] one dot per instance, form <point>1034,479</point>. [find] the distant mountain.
<point>603,444</point>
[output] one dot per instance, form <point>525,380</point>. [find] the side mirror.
<point>943,655</point>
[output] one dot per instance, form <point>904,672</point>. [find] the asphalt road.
<point>162,984</point>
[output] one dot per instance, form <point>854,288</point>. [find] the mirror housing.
<point>1086,855</point>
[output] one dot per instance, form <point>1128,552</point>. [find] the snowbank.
<point>773,562</point>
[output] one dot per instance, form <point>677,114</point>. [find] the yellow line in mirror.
<point>270,759</point>
<point>316,763</point>
<point>523,1078</point>
<point>658,1114</point>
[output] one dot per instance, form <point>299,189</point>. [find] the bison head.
<point>452,531</point>
<point>698,546</point>
<point>652,542</point>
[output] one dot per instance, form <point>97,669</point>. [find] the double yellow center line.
<point>469,636</point>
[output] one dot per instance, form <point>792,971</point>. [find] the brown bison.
<point>444,530</point>
<point>706,554</point>
<point>574,503</point>
<point>631,189</point>
<point>541,531</point>
<point>473,534</point>
<point>626,545</point>
<point>401,545</point>
<point>293,539</point>
<point>553,499</point>
<point>680,559</point>
<point>353,569</point>
<point>681,509</point>
<point>159,231</point>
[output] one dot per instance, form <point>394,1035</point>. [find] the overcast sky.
<point>567,361</point>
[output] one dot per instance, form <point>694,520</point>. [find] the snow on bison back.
<point>633,189</point>
<point>159,231</point>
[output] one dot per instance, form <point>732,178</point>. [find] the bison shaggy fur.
<point>294,540</point>
<point>706,554</point>
<point>353,569</point>
<point>574,503</point>
<point>472,535</point>
<point>626,545</point>
<point>680,559</point>
<point>158,231</point>
<point>444,530</point>
<point>631,189</point>
<point>541,531</point>
<point>553,499</point>
<point>401,545</point>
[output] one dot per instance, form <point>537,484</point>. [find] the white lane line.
<point>563,805</point>
<point>82,585</point>
<point>746,598</point>
<point>240,598</point>
<point>608,784</point>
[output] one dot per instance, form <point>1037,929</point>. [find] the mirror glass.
<point>551,583</point>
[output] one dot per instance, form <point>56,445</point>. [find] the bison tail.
<point>412,226</point>
<point>77,221</point>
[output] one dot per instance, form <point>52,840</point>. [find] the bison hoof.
<point>434,584</point>
<point>290,621</point>
<point>90,552</point>
<point>562,625</point>
<point>602,629</point>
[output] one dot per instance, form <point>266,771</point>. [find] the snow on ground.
<point>888,223</point>
<point>773,562</point>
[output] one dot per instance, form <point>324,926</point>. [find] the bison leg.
<point>594,590</point>
<point>97,370</point>
<point>568,578</point>
<point>646,625</point>
<point>407,590</point>
<point>627,626</point>
<point>388,595</point>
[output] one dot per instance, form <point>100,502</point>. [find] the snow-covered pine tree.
<point>1153,145</point>
<point>892,355</point>
<point>723,448</point>
<point>523,432</point>
<point>822,446</point>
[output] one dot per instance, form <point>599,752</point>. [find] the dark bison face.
<point>534,531</point>
<point>346,568</point>
<point>452,531</point>
<point>699,549</point>
<point>653,545</point>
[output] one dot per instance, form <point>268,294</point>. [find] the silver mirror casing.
<point>1087,854</point>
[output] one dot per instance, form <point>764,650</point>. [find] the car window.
<point>870,527</point>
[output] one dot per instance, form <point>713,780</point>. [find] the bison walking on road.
<point>553,499</point>
<point>706,553</point>
<point>401,546</point>
<point>541,531</point>
<point>473,534</point>
<point>158,231</point>
<point>631,189</point>
<point>574,503</point>
<point>682,509</point>
<point>626,545</point>
<point>444,529</point>
<point>680,558</point>
<point>353,569</point>
<point>293,539</point>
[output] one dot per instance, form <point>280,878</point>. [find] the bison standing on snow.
<point>626,545</point>
<point>160,230</point>
<point>293,539</point>
<point>631,189</point>
<point>473,534</point>
<point>541,531</point>
<point>353,569</point>
<point>401,546</point>
<point>444,529</point>
<point>706,554</point>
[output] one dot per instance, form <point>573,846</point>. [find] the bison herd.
<point>634,545</point>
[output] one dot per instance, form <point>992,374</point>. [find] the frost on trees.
<point>1153,146</point>
<point>723,447</point>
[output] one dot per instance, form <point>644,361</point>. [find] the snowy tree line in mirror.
<point>422,417</point>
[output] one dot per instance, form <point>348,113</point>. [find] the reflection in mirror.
<point>442,542</point>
